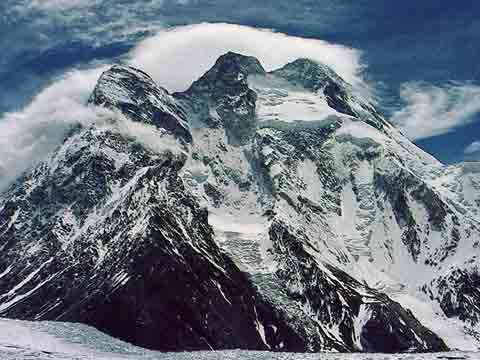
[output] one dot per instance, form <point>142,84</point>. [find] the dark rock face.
<point>459,294</point>
<point>223,93</point>
<point>110,232</point>
<point>399,190</point>
<point>393,329</point>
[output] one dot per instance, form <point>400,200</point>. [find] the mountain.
<point>256,210</point>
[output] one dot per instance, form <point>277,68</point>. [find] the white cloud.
<point>28,135</point>
<point>177,57</point>
<point>473,148</point>
<point>432,110</point>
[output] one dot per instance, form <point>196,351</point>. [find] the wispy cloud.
<point>69,4</point>
<point>60,4</point>
<point>95,21</point>
<point>433,110</point>
<point>473,148</point>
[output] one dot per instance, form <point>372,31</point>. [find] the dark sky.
<point>435,42</point>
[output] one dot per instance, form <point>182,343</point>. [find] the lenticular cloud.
<point>177,57</point>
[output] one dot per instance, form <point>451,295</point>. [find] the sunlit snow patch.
<point>279,100</point>
<point>244,236</point>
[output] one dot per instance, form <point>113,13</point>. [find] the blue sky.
<point>423,57</point>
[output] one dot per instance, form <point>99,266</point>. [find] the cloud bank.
<point>174,58</point>
<point>177,57</point>
<point>432,110</point>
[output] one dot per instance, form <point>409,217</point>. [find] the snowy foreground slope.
<point>22,340</point>
<point>262,211</point>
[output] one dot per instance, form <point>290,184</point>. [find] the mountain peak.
<point>230,69</point>
<point>134,93</point>
<point>318,77</point>
<point>310,74</point>
<point>231,62</point>
<point>119,84</point>
<point>224,90</point>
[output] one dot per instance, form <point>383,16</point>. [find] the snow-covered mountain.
<point>263,211</point>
